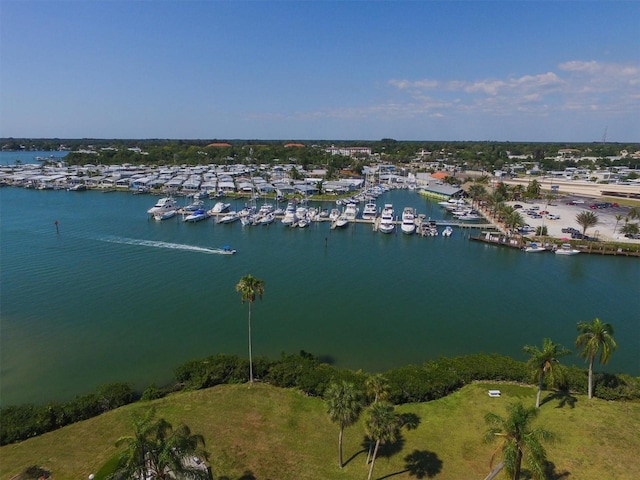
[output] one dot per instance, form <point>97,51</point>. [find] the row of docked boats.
<point>460,210</point>
<point>299,215</point>
<point>167,207</point>
<point>564,249</point>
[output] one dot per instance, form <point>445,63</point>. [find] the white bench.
<point>494,393</point>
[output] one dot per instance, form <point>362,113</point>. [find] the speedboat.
<point>230,218</point>
<point>386,219</point>
<point>192,207</point>
<point>369,211</point>
<point>220,207</point>
<point>164,204</point>
<point>534,247</point>
<point>447,231</point>
<point>267,219</point>
<point>408,225</point>
<point>164,215</point>
<point>227,250</point>
<point>566,249</point>
<point>196,216</point>
<point>342,221</point>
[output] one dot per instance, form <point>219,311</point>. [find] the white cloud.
<point>576,86</point>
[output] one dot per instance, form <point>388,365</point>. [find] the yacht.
<point>369,211</point>
<point>164,204</point>
<point>386,219</point>
<point>408,225</point>
<point>351,211</point>
<point>289,215</point>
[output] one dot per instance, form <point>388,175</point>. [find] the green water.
<point>116,297</point>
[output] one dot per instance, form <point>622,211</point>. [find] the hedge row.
<point>24,421</point>
<point>408,384</point>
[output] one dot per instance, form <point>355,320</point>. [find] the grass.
<point>264,432</point>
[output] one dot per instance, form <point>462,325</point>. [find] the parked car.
<point>570,230</point>
<point>553,216</point>
<point>517,205</point>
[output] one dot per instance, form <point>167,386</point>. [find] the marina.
<point>85,275</point>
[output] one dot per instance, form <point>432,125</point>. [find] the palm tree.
<point>586,220</point>
<point>344,403</point>
<point>157,451</point>
<point>377,387</point>
<point>595,336</point>
<point>250,288</point>
<point>382,425</point>
<point>618,218</point>
<point>517,440</point>
<point>543,363</point>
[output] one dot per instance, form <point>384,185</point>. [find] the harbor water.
<point>108,294</point>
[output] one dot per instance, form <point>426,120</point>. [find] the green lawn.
<point>281,434</point>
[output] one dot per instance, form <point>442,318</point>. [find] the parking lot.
<point>561,214</point>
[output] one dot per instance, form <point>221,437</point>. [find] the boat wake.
<point>170,246</point>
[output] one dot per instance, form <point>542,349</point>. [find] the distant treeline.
<point>312,152</point>
<point>303,371</point>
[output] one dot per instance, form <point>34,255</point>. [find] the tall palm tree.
<point>618,218</point>
<point>586,220</point>
<point>382,425</point>
<point>595,336</point>
<point>544,363</point>
<point>250,288</point>
<point>377,387</point>
<point>518,440</point>
<point>344,403</point>
<point>157,451</point>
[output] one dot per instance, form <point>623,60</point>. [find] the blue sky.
<point>362,70</point>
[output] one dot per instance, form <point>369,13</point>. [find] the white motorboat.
<point>219,207</point>
<point>447,232</point>
<point>334,214</point>
<point>164,215</point>
<point>230,218</point>
<point>192,207</point>
<point>408,225</point>
<point>163,205</point>
<point>452,202</point>
<point>303,222</point>
<point>227,250</point>
<point>267,219</point>
<point>289,215</point>
<point>566,249</point>
<point>369,211</point>
<point>386,219</point>
<point>351,211</point>
<point>469,216</point>
<point>196,216</point>
<point>534,247</point>
<point>342,221</point>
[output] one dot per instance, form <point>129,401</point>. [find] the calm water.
<point>116,297</point>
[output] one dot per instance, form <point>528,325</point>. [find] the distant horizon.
<point>307,140</point>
